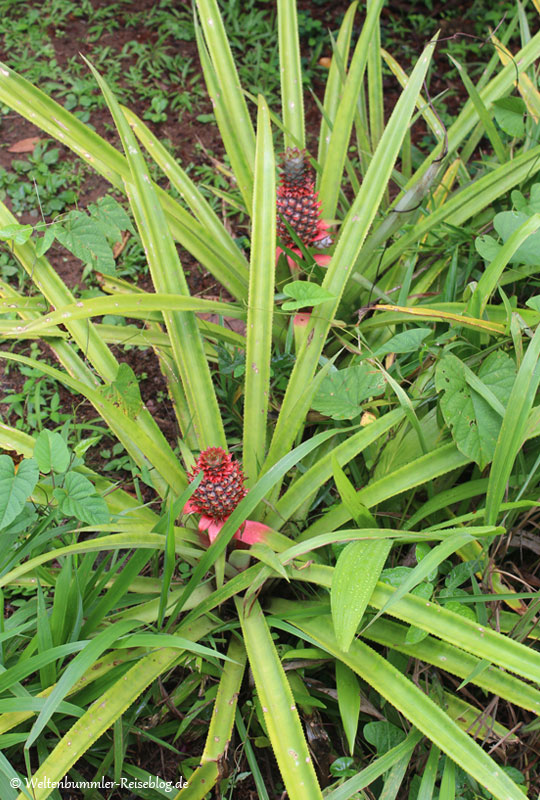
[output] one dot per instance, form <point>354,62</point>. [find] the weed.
<point>42,184</point>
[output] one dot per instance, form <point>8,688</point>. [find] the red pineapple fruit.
<point>222,486</point>
<point>297,200</point>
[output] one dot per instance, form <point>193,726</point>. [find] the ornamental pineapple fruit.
<point>222,486</point>
<point>297,200</point>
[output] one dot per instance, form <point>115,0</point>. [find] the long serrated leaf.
<point>76,668</point>
<point>167,276</point>
<point>334,82</point>
<point>233,119</point>
<point>418,708</point>
<point>323,469</point>
<point>417,472</point>
<point>96,151</point>
<point>513,429</point>
<point>234,267</point>
<point>292,101</point>
<point>165,462</point>
<point>470,636</point>
<point>278,706</point>
<point>341,131</point>
<point>352,236</point>
<point>126,304</point>
<point>221,724</point>
<point>261,300</point>
<point>450,658</point>
<point>104,711</point>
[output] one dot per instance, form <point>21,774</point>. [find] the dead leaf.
<point>119,246</point>
<point>24,145</point>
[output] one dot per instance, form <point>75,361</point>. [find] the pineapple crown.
<point>295,173</point>
<point>214,462</point>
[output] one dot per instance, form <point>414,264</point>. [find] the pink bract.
<point>320,258</point>
<point>250,532</point>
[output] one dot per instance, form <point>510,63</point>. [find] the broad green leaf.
<point>16,233</point>
<point>78,498</point>
<point>383,735</point>
<point>474,423</point>
<point>406,342</point>
<point>84,237</point>
<point>509,113</point>
<point>15,487</point>
<point>124,391</point>
<point>355,576</point>
<point>51,452</point>
<point>111,217</point>
<point>487,247</point>
<point>505,223</point>
<point>534,302</point>
<point>45,241</point>
<point>304,294</point>
<point>519,231</point>
<point>358,567</point>
<point>343,391</point>
<point>530,206</point>
<point>348,692</point>
<point>430,561</point>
